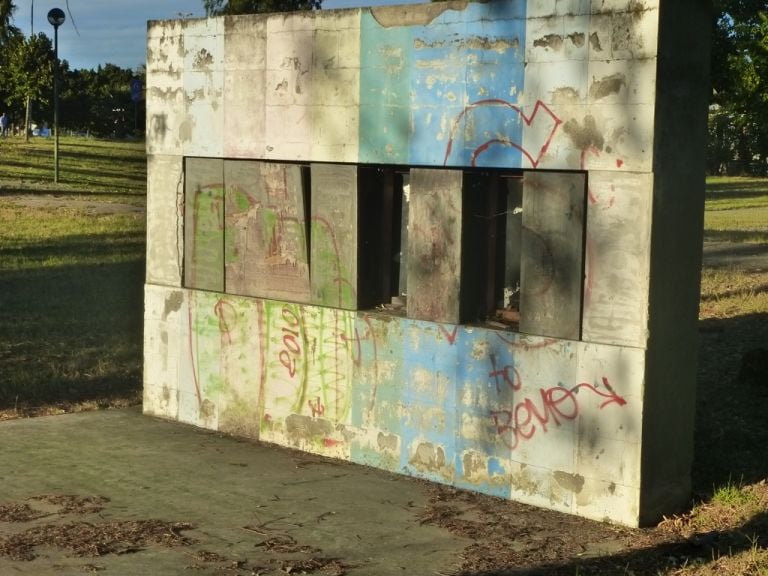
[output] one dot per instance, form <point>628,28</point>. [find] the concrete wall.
<point>256,320</point>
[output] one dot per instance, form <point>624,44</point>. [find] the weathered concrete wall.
<point>253,299</point>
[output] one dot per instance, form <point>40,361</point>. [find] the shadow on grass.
<point>731,421</point>
<point>751,239</point>
<point>71,333</point>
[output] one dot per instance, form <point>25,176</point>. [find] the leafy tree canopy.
<point>222,7</point>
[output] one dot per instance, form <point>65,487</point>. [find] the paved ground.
<point>122,486</point>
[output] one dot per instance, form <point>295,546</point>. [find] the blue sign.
<point>136,89</point>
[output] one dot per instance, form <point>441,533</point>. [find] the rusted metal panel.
<point>552,266</point>
<point>334,236</point>
<point>434,244</point>
<point>266,242</point>
<point>204,224</point>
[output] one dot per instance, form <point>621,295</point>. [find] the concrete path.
<point>118,493</point>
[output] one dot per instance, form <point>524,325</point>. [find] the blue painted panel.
<point>463,74</point>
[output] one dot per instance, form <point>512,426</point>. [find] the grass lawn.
<point>71,278</point>
<point>71,274</point>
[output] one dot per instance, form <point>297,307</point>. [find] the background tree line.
<point>99,101</point>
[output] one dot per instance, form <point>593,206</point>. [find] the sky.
<point>114,31</point>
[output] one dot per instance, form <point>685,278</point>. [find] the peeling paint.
<point>607,86</point>
<point>172,303</point>
<point>565,95</point>
<point>577,38</point>
<point>594,42</point>
<point>498,45</point>
<point>553,41</point>
<point>572,482</point>
<point>428,458</point>
<point>303,427</point>
<point>388,442</point>
<point>415,15</point>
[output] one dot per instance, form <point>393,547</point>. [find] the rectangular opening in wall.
<point>523,251</point>
<point>383,217</point>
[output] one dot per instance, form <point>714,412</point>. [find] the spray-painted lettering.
<point>553,406</point>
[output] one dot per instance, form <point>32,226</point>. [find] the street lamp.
<point>56,18</point>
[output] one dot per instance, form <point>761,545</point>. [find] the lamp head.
<point>56,17</point>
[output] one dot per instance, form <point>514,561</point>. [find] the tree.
<point>7,30</point>
<point>229,7</point>
<point>29,68</point>
<point>739,111</point>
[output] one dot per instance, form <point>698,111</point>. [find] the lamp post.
<point>56,18</point>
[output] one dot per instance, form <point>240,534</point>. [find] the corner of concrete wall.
<point>676,241</point>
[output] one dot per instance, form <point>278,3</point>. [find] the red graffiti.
<point>508,376</point>
<point>222,309</point>
<point>316,407</point>
<point>533,156</point>
<point>291,347</point>
<point>556,405</point>
<point>450,336</point>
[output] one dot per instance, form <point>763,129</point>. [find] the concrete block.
<point>202,131</point>
<point>204,224</point>
<point>611,6</point>
<point>203,45</point>
<point>618,258</point>
<point>349,40</point>
<point>244,114</point>
<point>166,108</point>
<point>576,37</point>
<point>245,42</point>
<point>265,241</point>
<point>551,277</point>
<point>288,132</point>
<point>538,487</point>
<point>553,83</point>
<point>165,47</point>
<point>622,135</point>
<point>601,499</point>
<point>334,236</point>
<point>622,82</point>
<point>335,126</point>
<point>634,34</point>
<point>289,51</point>
<point>434,245</point>
<point>608,460</point>
<point>573,7</point>
<point>165,229</point>
<point>336,87</point>
<point>541,8</point>
<point>545,38</point>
